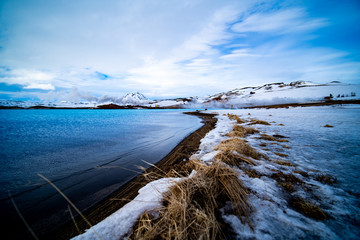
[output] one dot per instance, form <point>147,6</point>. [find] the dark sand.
<point>129,191</point>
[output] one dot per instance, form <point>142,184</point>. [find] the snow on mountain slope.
<point>134,98</point>
<point>279,93</point>
<point>268,94</point>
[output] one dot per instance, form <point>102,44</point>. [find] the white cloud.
<point>239,53</point>
<point>279,22</point>
<point>42,86</point>
<point>164,48</point>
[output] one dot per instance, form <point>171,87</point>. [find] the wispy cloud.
<point>280,21</point>
<point>161,49</point>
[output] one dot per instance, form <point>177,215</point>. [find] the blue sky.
<point>164,49</point>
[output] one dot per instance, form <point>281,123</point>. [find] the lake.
<point>86,153</point>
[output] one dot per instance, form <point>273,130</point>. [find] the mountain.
<point>281,93</point>
<point>134,98</point>
<point>268,94</point>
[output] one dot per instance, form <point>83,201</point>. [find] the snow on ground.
<point>118,225</point>
<point>278,94</point>
<point>312,149</point>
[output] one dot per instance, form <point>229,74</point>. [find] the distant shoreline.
<point>114,106</point>
<point>129,190</point>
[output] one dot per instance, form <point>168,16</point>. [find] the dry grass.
<point>262,144</point>
<point>235,117</point>
<point>191,207</point>
<point>326,179</point>
<point>284,163</point>
<point>302,173</point>
<point>271,138</point>
<point>252,173</point>
<point>328,126</point>
<point>232,159</point>
<point>255,121</point>
<point>281,154</point>
<point>287,181</point>
<point>240,131</point>
<point>238,145</point>
<point>308,209</point>
<point>285,146</point>
<point>281,124</point>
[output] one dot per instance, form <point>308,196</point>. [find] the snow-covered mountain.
<point>134,98</point>
<point>280,93</point>
<point>268,94</point>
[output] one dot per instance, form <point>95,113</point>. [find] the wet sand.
<point>129,191</point>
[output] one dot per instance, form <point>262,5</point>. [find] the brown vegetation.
<point>252,173</point>
<point>240,146</point>
<point>308,209</point>
<point>287,181</point>
<point>240,131</point>
<point>326,179</point>
<point>271,138</point>
<point>232,159</point>
<point>235,117</point>
<point>281,154</point>
<point>284,163</point>
<point>255,121</point>
<point>191,207</point>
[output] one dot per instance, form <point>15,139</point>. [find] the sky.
<point>52,49</point>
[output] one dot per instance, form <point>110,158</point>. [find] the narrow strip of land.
<point>129,191</point>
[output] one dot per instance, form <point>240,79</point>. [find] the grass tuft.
<point>302,173</point>
<point>232,159</point>
<point>235,117</point>
<point>271,138</point>
<point>328,126</point>
<point>326,179</point>
<point>281,154</point>
<point>240,131</point>
<point>286,181</point>
<point>255,121</point>
<point>191,207</point>
<point>238,145</point>
<point>308,209</point>
<point>252,173</point>
<point>284,163</point>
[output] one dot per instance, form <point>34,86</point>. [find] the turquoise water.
<point>86,153</point>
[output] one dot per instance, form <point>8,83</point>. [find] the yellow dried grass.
<point>233,159</point>
<point>240,131</point>
<point>238,145</point>
<point>235,117</point>
<point>271,138</point>
<point>191,206</point>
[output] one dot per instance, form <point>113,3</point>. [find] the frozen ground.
<point>313,150</point>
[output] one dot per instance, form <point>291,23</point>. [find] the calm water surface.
<point>86,153</point>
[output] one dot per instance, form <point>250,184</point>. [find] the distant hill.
<point>268,94</point>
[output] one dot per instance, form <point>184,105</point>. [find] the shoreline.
<point>129,190</point>
<point>137,107</point>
